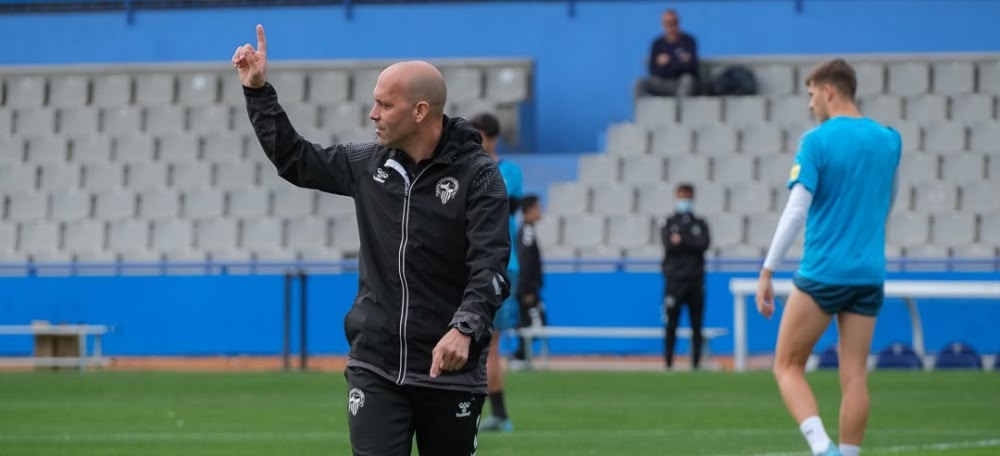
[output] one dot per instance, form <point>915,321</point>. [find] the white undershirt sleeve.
<point>791,221</point>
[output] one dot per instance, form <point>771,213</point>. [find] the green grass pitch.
<point>555,413</point>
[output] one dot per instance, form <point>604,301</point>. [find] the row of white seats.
<point>160,204</point>
<point>720,139</point>
<point>204,88</point>
<point>135,239</point>
<point>917,76</point>
<point>653,112</point>
<point>749,197</point>
<point>772,168</point>
<point>904,229</point>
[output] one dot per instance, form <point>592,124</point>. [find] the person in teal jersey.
<point>842,188</point>
<point>507,317</point>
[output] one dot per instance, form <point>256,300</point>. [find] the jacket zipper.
<point>405,295</point>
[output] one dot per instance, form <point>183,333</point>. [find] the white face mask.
<point>684,206</point>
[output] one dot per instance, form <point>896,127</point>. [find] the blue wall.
<point>586,64</point>
<point>243,314</point>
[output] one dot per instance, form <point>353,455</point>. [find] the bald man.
<point>432,215</point>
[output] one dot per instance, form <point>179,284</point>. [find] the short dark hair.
<point>486,123</point>
<point>838,73</point>
<point>528,202</point>
<point>685,187</point>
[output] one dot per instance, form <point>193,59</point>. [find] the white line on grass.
<point>946,446</point>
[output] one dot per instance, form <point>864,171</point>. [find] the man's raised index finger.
<point>261,41</point>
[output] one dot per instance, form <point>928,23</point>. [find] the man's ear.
<point>420,111</point>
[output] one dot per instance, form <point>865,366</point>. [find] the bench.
<point>83,360</point>
<point>530,333</point>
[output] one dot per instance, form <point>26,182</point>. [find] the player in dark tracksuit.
<point>685,240</point>
<point>530,278</point>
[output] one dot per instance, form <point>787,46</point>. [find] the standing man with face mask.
<point>685,240</point>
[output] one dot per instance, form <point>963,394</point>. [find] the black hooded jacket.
<point>435,241</point>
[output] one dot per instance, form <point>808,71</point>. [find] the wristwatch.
<point>464,328</point>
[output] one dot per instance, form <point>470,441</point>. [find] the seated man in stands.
<point>673,62</point>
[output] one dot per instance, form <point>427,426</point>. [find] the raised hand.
<point>250,63</point>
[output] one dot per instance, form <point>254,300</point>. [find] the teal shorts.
<point>834,299</point>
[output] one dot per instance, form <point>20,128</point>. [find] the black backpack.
<point>734,80</point>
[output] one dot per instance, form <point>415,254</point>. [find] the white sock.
<point>814,432</point>
<point>849,450</point>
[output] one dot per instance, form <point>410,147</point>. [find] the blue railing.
<point>153,268</point>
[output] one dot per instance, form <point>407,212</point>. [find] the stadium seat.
<point>985,137</point>
<point>598,168</point>
<point>164,120</point>
<point>898,356</point>
<point>871,78</point>
<point>134,148</point>
<point>733,168</point>
<point>568,198</point>
<point>58,177</point>
<point>145,176</point>
<point>112,90</point>
<point>209,119</point>
<point>643,170</point>
<point>291,202</point>
<point>927,109</point>
<point>249,203</point>
<point>979,197</point>
<point>49,149</point>
<point>308,232</point>
<point>197,89</point>
<point>464,83</point>
<point>911,135</point>
<point>909,78</point>
<point>331,86</point>
<point>84,238</point>
<point>202,204</point>
<point>715,140</point>
<point>690,169</point>
<point>739,252</point>
<point>27,206</point>
<point>630,231</point>
<point>179,149</point>
<point>953,78</point>
<point>155,89</point>
<point>262,234</point>
<point>919,167</point>
<point>6,122</point>
<point>988,234</point>
<point>675,141</point>
<point>907,228</point>
<point>963,167</point>
<point>220,235</point>
<point>790,110</point>
<point>958,355</point>
<point>329,205</point>
<point>78,121</point>
<point>548,230</point>
<point>129,237</point>
<point>70,205</point>
<point>114,205</point>
<point>887,109</point>
<point>8,241</point>
<point>34,122</point>
<point>744,111</point>
<point>726,229</point>
<point>774,170</point>
<point>17,178</point>
<point>775,78</point>
<point>935,197</point>
<point>234,175</point>
<point>762,140</point>
<point>972,108</point>
<point>507,84</point>
<point>627,139</point>
<point>655,198</point>
<point>989,77</point>
<point>696,111</point>
<point>945,136</point>
<point>185,176</point>
<point>290,85</point>
<point>91,149</point>
<point>39,238</point>
<point>612,199</point>
<point>24,91</point>
<point>760,229</point>
<point>655,112</point>
<point>828,358</point>
<point>750,198</point>
<point>583,230</point>
<point>223,147</point>
<point>159,204</point>
<point>172,236</point>
<point>993,168</point>
<point>121,120</point>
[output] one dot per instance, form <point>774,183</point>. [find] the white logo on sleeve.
<point>464,409</point>
<point>380,176</point>
<point>446,189</point>
<point>355,400</point>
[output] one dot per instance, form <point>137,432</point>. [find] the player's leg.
<point>672,313</point>
<point>802,324</point>
<point>446,421</point>
<point>696,306</point>
<point>379,415</point>
<point>498,419</point>
<point>855,342</point>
